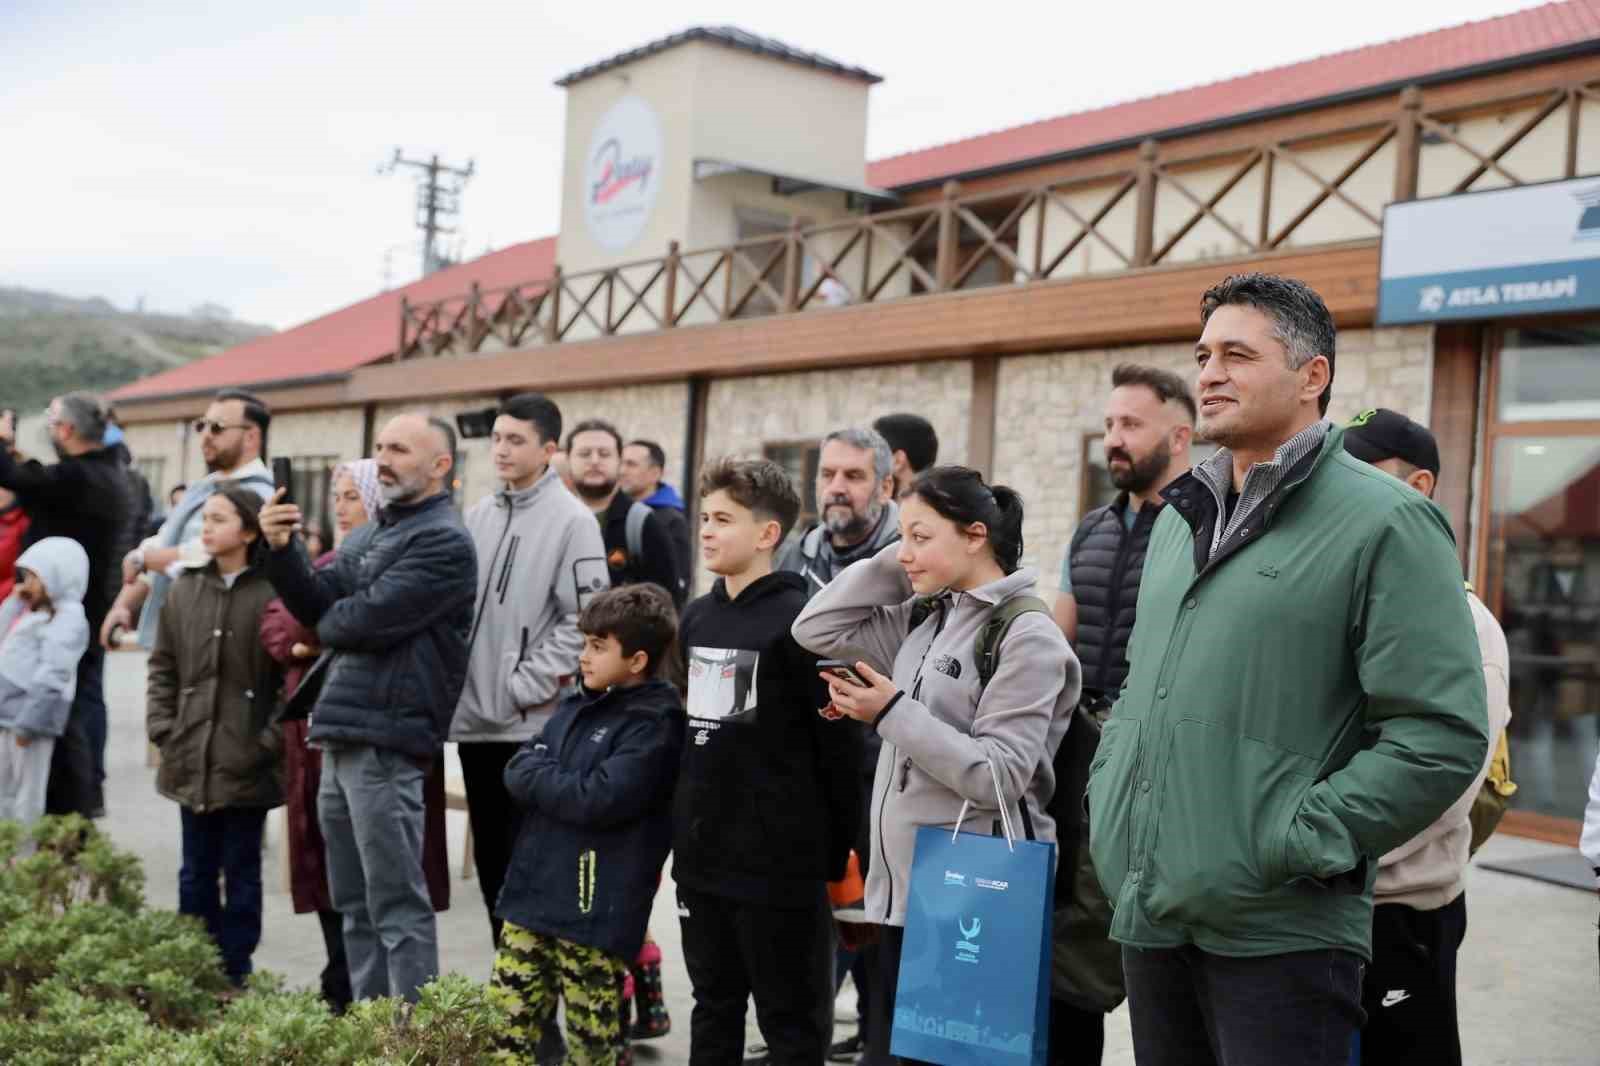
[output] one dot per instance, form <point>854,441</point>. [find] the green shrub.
<point>88,976</point>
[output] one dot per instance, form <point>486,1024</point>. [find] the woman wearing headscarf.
<point>356,500</point>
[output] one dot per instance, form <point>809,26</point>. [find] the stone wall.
<point>1048,405</point>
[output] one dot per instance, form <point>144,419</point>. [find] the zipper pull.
<point>905,775</point>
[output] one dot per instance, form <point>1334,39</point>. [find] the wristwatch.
<point>136,557</point>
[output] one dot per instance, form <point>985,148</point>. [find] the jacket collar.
<point>1195,501</point>
<point>517,499</point>
<point>998,592</point>
<point>396,512</point>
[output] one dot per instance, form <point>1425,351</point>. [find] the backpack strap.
<point>986,648</point>
<point>639,513</point>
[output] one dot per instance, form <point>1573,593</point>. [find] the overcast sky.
<point>227,152</point>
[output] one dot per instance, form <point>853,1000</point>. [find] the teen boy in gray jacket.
<point>540,558</point>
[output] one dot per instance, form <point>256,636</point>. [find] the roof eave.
<point>206,390</point>
<point>1497,66</point>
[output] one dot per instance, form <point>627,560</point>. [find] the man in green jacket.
<point>1305,694</point>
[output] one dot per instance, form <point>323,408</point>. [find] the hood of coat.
<point>62,565</point>
<point>759,589</point>
<point>666,496</point>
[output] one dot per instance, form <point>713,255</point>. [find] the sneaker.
<point>846,1050</point>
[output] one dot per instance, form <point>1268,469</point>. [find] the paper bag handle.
<point>1000,801</point>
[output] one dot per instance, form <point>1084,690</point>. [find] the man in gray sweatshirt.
<point>540,558</point>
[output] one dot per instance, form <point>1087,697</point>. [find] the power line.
<point>438,198</point>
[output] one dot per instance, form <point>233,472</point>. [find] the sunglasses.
<point>216,429</point>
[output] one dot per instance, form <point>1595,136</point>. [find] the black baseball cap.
<point>1378,434</point>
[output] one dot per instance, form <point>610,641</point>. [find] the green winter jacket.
<point>1297,706</point>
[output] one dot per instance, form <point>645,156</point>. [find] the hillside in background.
<point>52,344</point>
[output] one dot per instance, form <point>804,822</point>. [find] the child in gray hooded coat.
<point>43,634</point>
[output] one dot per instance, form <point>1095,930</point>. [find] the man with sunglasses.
<point>83,497</point>
<point>233,442</point>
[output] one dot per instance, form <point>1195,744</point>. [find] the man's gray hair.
<point>868,440</point>
<point>84,412</point>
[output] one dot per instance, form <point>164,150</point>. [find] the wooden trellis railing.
<point>1026,233</point>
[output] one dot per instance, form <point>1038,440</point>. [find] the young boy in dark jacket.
<point>768,797</point>
<point>597,788</point>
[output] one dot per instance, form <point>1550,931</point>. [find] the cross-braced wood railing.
<point>1175,202</point>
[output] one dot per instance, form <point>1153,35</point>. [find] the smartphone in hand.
<point>283,478</point>
<point>843,670</point>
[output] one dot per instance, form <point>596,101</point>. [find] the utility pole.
<point>438,198</point>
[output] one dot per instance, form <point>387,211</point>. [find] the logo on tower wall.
<point>622,173</point>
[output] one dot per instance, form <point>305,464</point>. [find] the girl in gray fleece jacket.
<point>961,542</point>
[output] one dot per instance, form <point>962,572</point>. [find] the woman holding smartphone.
<point>919,605</point>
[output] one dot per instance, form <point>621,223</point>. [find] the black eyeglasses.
<point>216,429</point>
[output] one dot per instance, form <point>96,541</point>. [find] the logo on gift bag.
<point>953,878</point>
<point>966,948</point>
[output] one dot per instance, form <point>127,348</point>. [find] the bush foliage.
<point>89,975</point>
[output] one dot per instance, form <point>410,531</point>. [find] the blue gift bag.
<point>974,986</point>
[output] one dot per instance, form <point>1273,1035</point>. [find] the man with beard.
<point>393,614</point>
<point>83,497</point>
<point>1149,423</point>
<point>855,502</point>
<point>233,440</point>
<point>856,490</point>
<point>594,454</point>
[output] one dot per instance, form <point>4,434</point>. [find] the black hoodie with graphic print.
<point>768,799</point>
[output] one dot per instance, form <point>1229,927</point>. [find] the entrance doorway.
<point>1540,570</point>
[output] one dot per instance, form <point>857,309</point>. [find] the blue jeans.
<point>224,846</point>
<point>1190,1008</point>
<point>370,807</point>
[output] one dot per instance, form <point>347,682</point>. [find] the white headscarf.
<point>364,472</point>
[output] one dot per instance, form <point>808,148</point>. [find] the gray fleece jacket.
<point>940,737</point>
<point>39,650</point>
<point>540,558</point>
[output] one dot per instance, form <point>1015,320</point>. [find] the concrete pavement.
<point>1528,971</point>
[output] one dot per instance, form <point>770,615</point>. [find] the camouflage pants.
<point>538,970</point>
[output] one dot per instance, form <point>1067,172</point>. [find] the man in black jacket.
<point>393,615</point>
<point>594,450</point>
<point>1149,424</point>
<point>83,498</point>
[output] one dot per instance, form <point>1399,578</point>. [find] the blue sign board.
<point>1532,249</point>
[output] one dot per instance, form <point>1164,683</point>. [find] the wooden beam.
<point>1453,417</point>
<point>1140,306</point>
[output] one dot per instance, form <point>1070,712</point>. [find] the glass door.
<point>1541,568</point>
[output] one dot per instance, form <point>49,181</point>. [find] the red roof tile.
<point>345,339</point>
<point>1470,44</point>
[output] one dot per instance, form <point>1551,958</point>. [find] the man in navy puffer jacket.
<point>392,613</point>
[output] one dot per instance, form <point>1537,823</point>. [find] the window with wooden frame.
<point>800,459</point>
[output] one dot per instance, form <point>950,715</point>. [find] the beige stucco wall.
<point>778,115</point>
<point>1049,404</point>
<point>163,441</point>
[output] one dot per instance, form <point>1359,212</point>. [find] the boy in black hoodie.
<point>597,788</point>
<point>767,801</point>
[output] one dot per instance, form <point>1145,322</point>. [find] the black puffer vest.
<point>1107,562</point>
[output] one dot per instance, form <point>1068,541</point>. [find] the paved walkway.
<point>1528,982</point>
